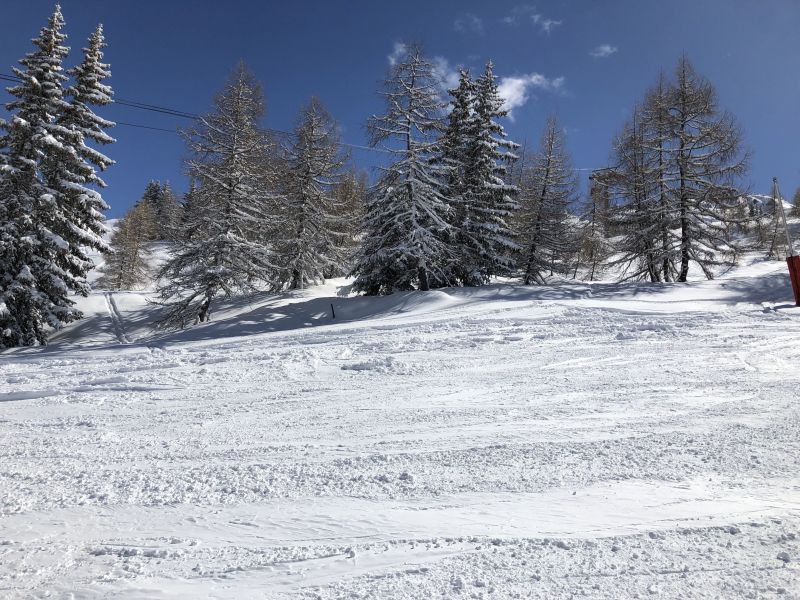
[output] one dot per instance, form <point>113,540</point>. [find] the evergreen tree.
<point>190,209</point>
<point>45,171</point>
<point>548,189</point>
<point>314,166</point>
<point>484,200</point>
<point>127,263</point>
<point>456,146</point>
<point>459,136</point>
<point>795,210</point>
<point>351,197</point>
<point>166,210</point>
<point>86,205</point>
<point>152,194</point>
<point>225,256</point>
<point>406,223</point>
<point>594,246</point>
<point>168,214</point>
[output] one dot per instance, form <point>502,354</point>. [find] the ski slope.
<point>599,440</point>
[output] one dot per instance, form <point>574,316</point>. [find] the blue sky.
<point>587,60</point>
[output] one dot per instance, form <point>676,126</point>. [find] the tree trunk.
<point>422,273</point>
<point>684,238</point>
<point>205,308</point>
<point>529,269</point>
<point>684,272</point>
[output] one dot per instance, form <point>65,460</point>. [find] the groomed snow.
<point>604,440</point>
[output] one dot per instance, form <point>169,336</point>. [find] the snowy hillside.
<point>602,440</point>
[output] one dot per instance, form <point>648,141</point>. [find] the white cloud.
<point>529,12</point>
<point>447,74</point>
<point>469,23</point>
<point>603,51</point>
<point>545,24</point>
<point>398,52</point>
<point>516,91</point>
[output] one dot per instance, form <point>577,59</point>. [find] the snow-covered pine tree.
<point>152,194</point>
<point>795,210</point>
<point>460,133</point>
<point>9,240</point>
<point>127,264</point>
<point>351,197</point>
<point>169,214</point>
<point>456,147</point>
<point>166,210</point>
<point>85,205</point>
<point>485,202</point>
<point>314,243</point>
<point>38,267</point>
<point>594,247</point>
<point>190,208</point>
<point>548,189</point>
<point>406,221</point>
<point>226,256</point>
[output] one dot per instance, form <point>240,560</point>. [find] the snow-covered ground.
<point>604,440</point>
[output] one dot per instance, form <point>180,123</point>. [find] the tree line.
<point>456,204</point>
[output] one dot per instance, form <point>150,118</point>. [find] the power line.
<point>132,104</point>
<point>195,117</point>
<point>129,103</point>
<point>158,109</point>
<point>144,126</point>
<point>184,115</point>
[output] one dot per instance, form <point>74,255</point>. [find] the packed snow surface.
<point>598,440</point>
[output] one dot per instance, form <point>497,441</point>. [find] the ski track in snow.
<point>505,442</point>
<point>116,319</point>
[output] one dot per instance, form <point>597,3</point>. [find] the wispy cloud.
<point>528,13</point>
<point>468,23</point>
<point>546,24</point>
<point>445,72</point>
<point>398,51</point>
<point>603,51</point>
<point>517,90</point>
